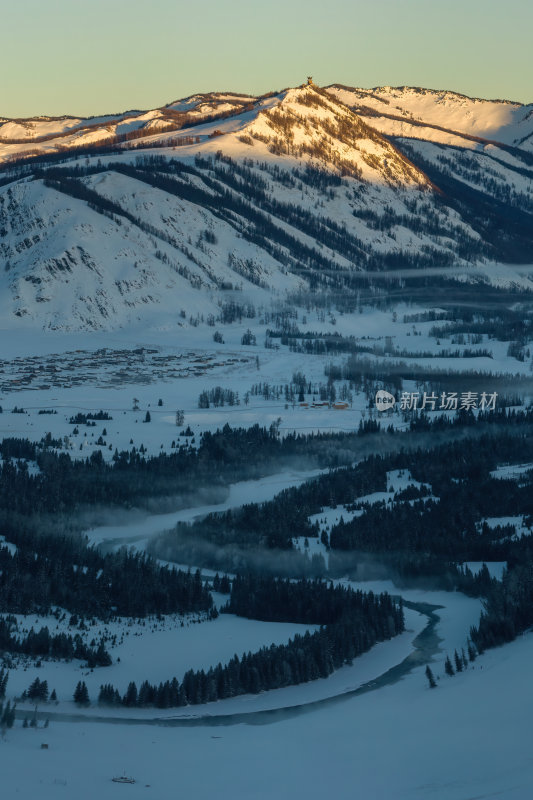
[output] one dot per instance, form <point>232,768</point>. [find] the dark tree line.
<point>64,484</point>
<point>509,606</point>
<point>4,677</point>
<point>417,535</point>
<point>42,643</point>
<point>304,601</point>
<point>447,526</point>
<point>218,396</point>
<point>82,419</point>
<point>52,570</point>
<point>7,715</point>
<point>276,522</point>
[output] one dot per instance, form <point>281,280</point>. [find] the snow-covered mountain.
<point>36,135</point>
<point>406,110</point>
<point>170,213</point>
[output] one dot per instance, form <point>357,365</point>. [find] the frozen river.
<point>140,529</point>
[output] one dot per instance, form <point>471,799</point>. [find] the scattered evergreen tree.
<point>248,338</point>
<point>131,696</point>
<point>81,694</point>
<point>4,676</point>
<point>430,677</point>
<point>38,691</point>
<point>7,716</point>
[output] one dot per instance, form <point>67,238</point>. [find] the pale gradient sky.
<point>87,57</point>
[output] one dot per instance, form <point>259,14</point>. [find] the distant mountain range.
<point>169,214</point>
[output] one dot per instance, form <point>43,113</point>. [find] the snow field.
<point>400,743</point>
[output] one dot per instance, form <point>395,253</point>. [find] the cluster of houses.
<point>339,405</point>
<point>106,367</point>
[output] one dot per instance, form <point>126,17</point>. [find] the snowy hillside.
<point>225,197</point>
<point>498,120</point>
<point>40,135</point>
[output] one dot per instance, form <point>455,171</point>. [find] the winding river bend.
<point>426,645</point>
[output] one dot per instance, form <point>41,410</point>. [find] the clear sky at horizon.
<point>86,58</point>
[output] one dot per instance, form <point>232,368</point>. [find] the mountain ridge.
<point>254,199</point>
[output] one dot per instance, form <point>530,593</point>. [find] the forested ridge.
<point>443,525</point>
<point>305,601</point>
<point>351,623</point>
<point>50,570</point>
<point>508,606</point>
<point>66,484</point>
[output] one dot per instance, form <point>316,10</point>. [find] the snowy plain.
<point>358,747</point>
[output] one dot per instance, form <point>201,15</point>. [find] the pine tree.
<point>130,698</point>
<point>7,718</point>
<point>33,690</point>
<point>430,677</point>
<point>38,690</point>
<point>448,668</point>
<point>458,661</point>
<point>81,694</point>
<point>4,675</point>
